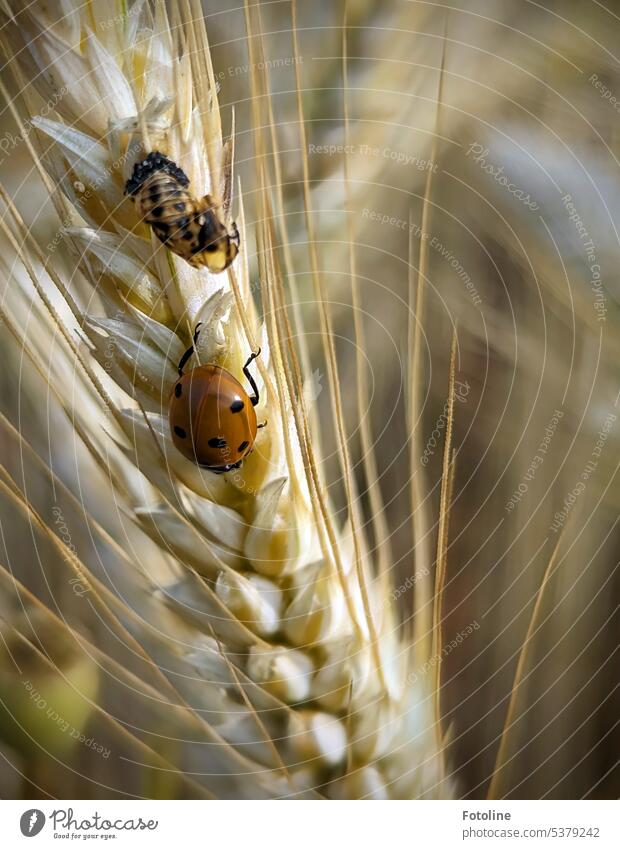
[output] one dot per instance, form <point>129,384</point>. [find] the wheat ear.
<point>259,623</point>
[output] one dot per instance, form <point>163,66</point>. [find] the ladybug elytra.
<point>212,418</point>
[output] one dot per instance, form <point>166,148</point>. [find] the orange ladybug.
<point>212,417</point>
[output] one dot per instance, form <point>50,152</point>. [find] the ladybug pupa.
<point>212,417</point>
<point>188,226</point>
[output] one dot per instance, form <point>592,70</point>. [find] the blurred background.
<point>523,257</point>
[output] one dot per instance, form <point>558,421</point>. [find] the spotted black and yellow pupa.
<point>190,227</point>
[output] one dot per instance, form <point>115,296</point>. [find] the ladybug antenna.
<point>190,350</point>
<point>253,398</point>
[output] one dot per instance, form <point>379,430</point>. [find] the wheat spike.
<point>263,647</point>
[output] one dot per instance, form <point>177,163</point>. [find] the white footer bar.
<point>311,825</point>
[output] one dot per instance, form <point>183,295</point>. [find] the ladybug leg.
<point>190,350</point>
<point>222,470</point>
<point>253,398</point>
<point>264,424</point>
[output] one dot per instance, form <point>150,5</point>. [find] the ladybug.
<point>212,417</point>
<point>190,227</point>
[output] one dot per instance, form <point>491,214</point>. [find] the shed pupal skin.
<point>190,227</point>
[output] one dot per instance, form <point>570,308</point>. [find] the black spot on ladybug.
<point>236,406</point>
<point>180,207</point>
<point>180,432</point>
<point>154,194</point>
<point>157,211</point>
<point>243,446</point>
<point>217,442</point>
<point>178,389</point>
<point>188,235</point>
